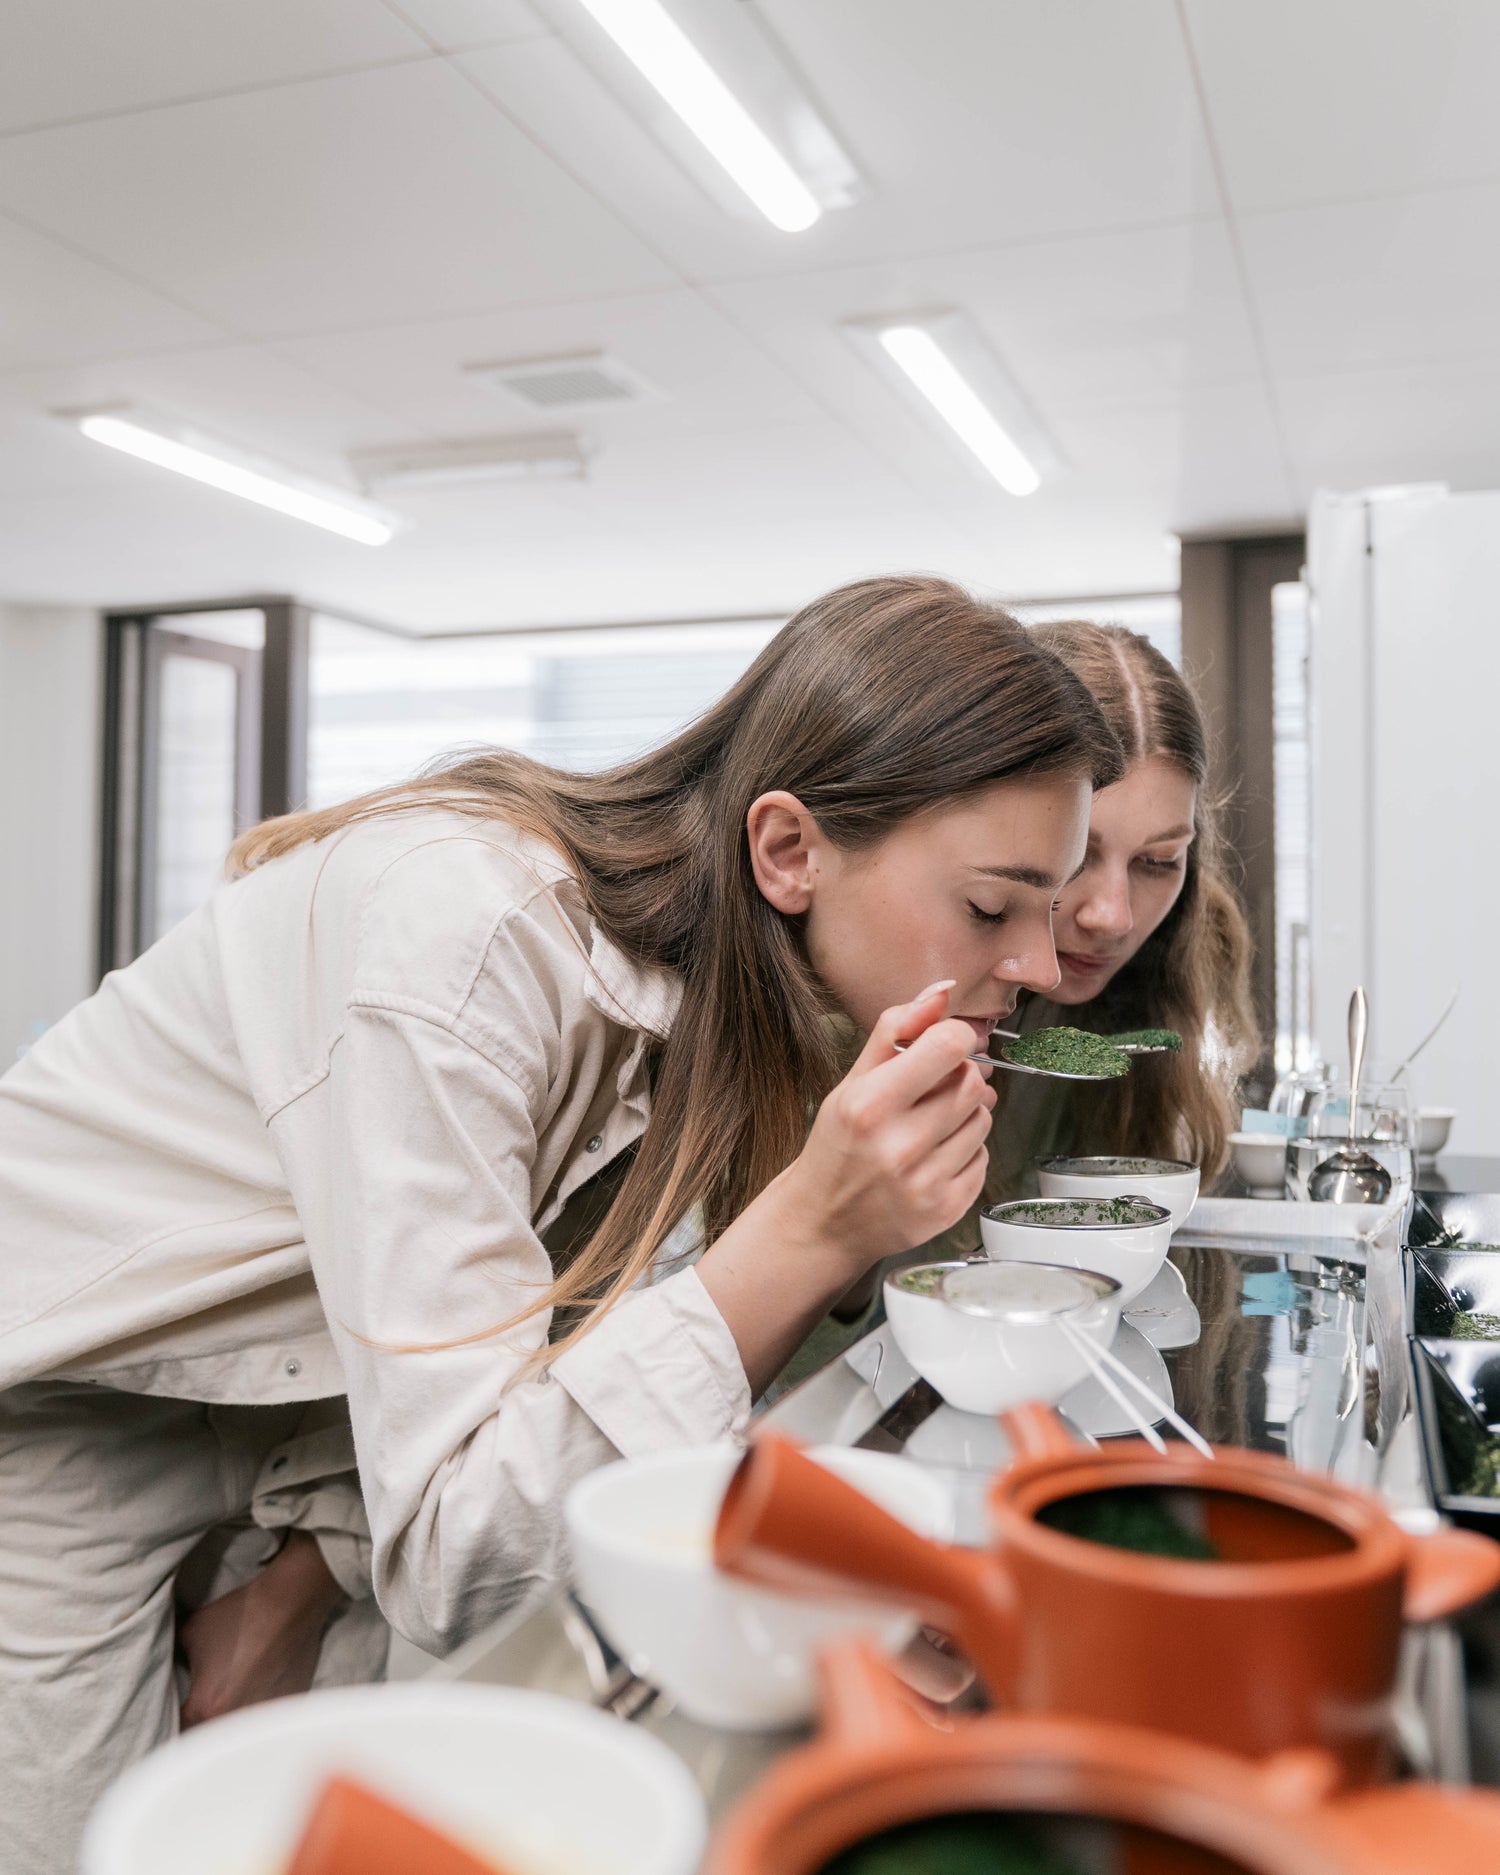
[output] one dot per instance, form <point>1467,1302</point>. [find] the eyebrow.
<point>1172,833</point>
<point>1029,875</point>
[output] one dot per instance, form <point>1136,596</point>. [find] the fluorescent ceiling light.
<point>955,400</point>
<point>221,465</point>
<point>659,49</point>
<point>948,368</point>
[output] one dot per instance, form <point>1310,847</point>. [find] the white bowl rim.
<point>580,1518</point>
<point>1266,1139</point>
<point>1437,1113</point>
<point>994,1213</point>
<point>1081,1165</point>
<point>120,1812</point>
<point>1111,1289</point>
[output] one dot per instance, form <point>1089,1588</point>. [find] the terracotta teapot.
<point>1152,1805</point>
<point>1288,1641</point>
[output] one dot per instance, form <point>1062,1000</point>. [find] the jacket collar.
<point>641,996</point>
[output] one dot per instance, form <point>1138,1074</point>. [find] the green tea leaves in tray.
<point>1471,1455</point>
<point>1474,1325</point>
<point>1068,1051</point>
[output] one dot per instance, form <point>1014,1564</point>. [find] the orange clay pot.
<point>1178,1808</point>
<point>1288,1643</point>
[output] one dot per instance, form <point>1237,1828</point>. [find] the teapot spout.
<point>1035,1431</point>
<point>789,1524</point>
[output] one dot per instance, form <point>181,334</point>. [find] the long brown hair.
<point>1193,973</point>
<point>882,700</point>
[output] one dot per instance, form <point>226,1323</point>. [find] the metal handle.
<point>1359,1025</point>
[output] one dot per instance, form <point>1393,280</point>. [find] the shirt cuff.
<point>661,1370</point>
<point>349,1559</point>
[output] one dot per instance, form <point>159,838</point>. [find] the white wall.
<point>50,670</point>
<point>1406,753</point>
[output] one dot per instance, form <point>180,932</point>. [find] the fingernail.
<point>948,983</point>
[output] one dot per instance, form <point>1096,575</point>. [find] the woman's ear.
<point>782,838</point>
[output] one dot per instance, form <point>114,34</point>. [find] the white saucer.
<point>1164,1312</point>
<point>1093,1410</point>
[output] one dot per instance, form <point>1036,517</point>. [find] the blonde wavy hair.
<point>1193,973</point>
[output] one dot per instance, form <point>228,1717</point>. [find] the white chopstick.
<point>1132,1412</point>
<point>1173,1419</point>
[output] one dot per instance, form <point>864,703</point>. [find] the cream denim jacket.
<point>305,1146</point>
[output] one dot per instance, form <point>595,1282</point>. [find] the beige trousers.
<point>116,1510</point>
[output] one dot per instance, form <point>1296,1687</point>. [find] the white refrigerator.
<point>1404,683</point>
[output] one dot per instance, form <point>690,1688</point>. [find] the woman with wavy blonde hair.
<point>1149,935</point>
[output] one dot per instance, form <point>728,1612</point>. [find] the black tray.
<point>1471,1277</point>
<point>1445,1374</point>
<point>1451,1219</point>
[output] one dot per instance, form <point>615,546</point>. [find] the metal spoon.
<point>1021,1067</point>
<point>1352,1175</point>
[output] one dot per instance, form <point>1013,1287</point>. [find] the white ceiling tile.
<point>547,89</point>
<point>709,375</point>
<point>1312,103</point>
<point>985,120</point>
<point>1232,474</point>
<point>1434,422</point>
<point>454,24</point>
<point>58,308</point>
<point>1132,320</point>
<point>1391,281</point>
<point>398,193</point>
<point>76,58</point>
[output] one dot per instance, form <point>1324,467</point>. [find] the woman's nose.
<point>1105,907</point>
<point>1035,968</point>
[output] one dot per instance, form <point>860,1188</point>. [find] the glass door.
<point>203,769</point>
<point>183,771</point>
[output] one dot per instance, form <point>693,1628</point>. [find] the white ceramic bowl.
<point>1434,1124</point>
<point>543,1784</point>
<point>1260,1159</point>
<point>1171,1182</point>
<point>1111,1235</point>
<point>990,1335</point>
<point>729,1654</point>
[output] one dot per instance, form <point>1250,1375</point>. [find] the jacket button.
<point>595,1143</point>
<point>294,1367</point>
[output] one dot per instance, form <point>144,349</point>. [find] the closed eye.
<point>988,917</point>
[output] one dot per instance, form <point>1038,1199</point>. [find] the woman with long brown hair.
<point>409,1112</point>
<point>1149,935</point>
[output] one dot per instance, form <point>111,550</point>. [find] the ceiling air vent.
<point>574,381</point>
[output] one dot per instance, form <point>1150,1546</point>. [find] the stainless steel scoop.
<point>1352,1175</point>
<point>1025,1067</point>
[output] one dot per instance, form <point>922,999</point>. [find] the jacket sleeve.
<point>415,1193</point>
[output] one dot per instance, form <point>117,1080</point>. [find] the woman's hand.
<point>262,1640</point>
<point>897,1152</point>
<point>896,1155</point>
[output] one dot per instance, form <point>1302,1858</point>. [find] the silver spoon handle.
<point>1359,1028</point>
<point>1429,1036</point>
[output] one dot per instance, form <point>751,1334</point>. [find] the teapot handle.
<point>1447,1571</point>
